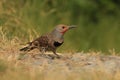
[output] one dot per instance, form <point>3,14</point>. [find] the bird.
<point>49,41</point>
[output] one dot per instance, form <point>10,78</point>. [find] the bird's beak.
<point>72,26</point>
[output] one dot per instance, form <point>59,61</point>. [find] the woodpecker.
<point>50,41</point>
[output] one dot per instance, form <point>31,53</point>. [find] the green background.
<point>98,22</point>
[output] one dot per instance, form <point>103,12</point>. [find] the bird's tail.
<point>28,48</point>
<point>25,48</point>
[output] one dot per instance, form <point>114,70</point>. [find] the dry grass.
<point>13,69</point>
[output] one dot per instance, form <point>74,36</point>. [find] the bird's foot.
<point>58,56</point>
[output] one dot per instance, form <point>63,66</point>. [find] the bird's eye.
<point>63,27</point>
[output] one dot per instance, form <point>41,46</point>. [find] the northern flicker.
<point>50,41</point>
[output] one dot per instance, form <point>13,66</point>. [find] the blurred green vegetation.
<point>98,21</point>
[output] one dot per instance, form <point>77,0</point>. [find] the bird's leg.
<point>41,54</point>
<point>42,50</point>
<point>56,54</point>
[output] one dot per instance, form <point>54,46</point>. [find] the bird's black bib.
<point>57,44</point>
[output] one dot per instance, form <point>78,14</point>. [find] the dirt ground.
<point>70,65</point>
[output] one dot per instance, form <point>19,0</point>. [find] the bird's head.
<point>59,31</point>
<point>63,28</point>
